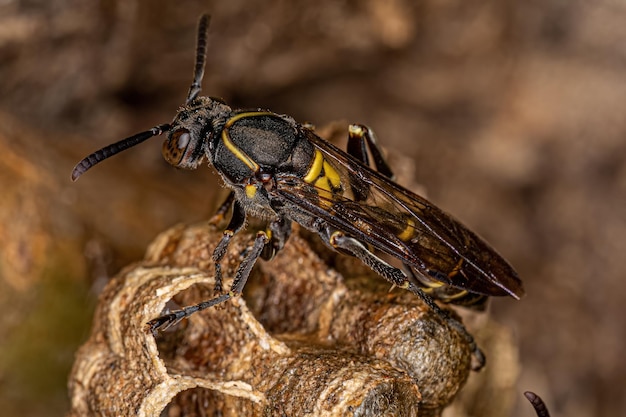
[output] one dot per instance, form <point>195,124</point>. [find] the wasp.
<point>281,172</point>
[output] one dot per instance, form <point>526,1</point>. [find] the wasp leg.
<point>222,209</point>
<point>360,140</point>
<point>339,240</point>
<point>537,403</point>
<point>236,223</point>
<point>243,272</point>
<point>279,232</point>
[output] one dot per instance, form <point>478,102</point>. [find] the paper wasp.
<point>282,172</point>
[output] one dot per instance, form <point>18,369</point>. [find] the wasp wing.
<point>396,221</point>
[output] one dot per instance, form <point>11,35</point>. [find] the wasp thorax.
<point>182,149</point>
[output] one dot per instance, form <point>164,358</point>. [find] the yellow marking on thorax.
<point>241,155</point>
<point>250,191</point>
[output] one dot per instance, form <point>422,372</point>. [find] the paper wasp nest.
<point>306,342</point>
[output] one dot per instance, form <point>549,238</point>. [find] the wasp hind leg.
<point>362,139</point>
<point>243,272</point>
<point>397,277</point>
<point>362,143</point>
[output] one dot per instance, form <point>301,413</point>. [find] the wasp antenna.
<point>115,148</point>
<point>201,48</point>
<point>537,403</point>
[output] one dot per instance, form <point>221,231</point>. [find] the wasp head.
<point>189,136</point>
<point>192,132</point>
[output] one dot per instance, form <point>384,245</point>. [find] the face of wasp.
<point>192,130</point>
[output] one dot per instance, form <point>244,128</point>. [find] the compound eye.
<point>174,148</point>
<point>183,139</point>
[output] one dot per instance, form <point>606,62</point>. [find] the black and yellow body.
<point>282,172</point>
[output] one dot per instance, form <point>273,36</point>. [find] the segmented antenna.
<point>115,148</point>
<point>201,48</point>
<point>538,404</point>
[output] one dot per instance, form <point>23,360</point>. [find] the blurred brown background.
<point>513,112</point>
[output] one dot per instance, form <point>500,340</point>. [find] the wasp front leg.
<point>241,277</point>
<point>397,277</point>
<point>237,221</point>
